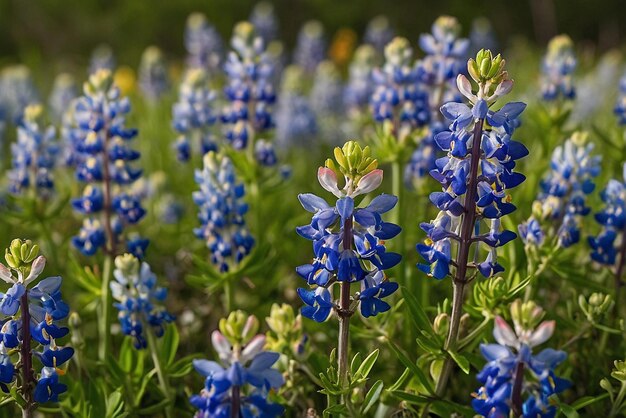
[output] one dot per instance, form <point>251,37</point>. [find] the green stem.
<point>617,405</point>
<point>228,295</point>
<point>163,384</point>
<point>105,309</point>
<point>463,342</point>
<point>397,188</point>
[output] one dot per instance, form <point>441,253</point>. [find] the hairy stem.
<point>235,402</point>
<point>516,396</point>
<point>460,279</point>
<point>26,356</point>
<point>106,302</point>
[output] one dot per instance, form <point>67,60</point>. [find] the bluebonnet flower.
<point>203,43</point>
<point>221,213</point>
<point>310,47</point>
<point>620,104</point>
<point>17,90</point>
<point>33,155</point>
<point>348,242</point>
<point>513,373</point>
<point>378,33</point>
<point>45,309</point>
<point>170,210</point>
<point>359,89</point>
<point>398,98</point>
<point>249,89</point>
<point>105,164</point>
<point>444,61</point>
<point>326,100</point>
<point>561,202</point>
<point>63,92</point>
<point>475,176</point>
<point>296,123</point>
<point>139,299</point>
<point>193,116</point>
<point>153,78</point>
<point>557,68</point>
<point>102,58</point>
<point>612,217</point>
<point>264,20</point>
<point>244,376</point>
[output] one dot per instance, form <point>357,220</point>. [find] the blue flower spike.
<point>42,307</point>
<point>244,378</point>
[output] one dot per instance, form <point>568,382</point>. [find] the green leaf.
<point>588,400</point>
<point>151,410</point>
<point>568,411</point>
<point>355,363</point>
<point>365,367</point>
<point>114,404</point>
<point>459,359</point>
<point>169,344</point>
<point>411,398</point>
<point>372,396</point>
<point>414,369</point>
<point>336,410</point>
<point>418,316</point>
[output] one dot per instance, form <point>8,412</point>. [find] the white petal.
<point>542,334</point>
<point>254,347</point>
<point>36,269</point>
<point>465,87</point>
<point>369,182</point>
<point>503,333</point>
<point>5,274</point>
<point>328,180</point>
<point>222,346</point>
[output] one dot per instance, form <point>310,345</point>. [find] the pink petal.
<point>369,182</point>
<point>328,180</point>
<point>503,333</point>
<point>542,334</point>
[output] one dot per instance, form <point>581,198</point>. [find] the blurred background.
<point>44,31</point>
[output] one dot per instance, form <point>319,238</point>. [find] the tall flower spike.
<point>241,383</point>
<point>557,68</point>
<point>63,92</point>
<point>193,115</point>
<point>326,100</point>
<point>153,78</point>
<point>221,213</point>
<point>349,242</point>
<point>359,89</point>
<point>42,308</point>
<point>33,155</point>
<point>296,124</point>
<point>105,166</point>
<point>438,70</point>
<point>378,33</point>
<point>139,299</point>
<point>17,90</point>
<point>264,20</point>
<point>476,175</point>
<point>310,47</point>
<point>514,379</point>
<point>203,43</point>
<point>249,90</point>
<point>398,98</point>
<point>620,104</point>
<point>561,203</point>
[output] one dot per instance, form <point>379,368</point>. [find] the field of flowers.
<point>365,226</point>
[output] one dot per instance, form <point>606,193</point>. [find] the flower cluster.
<point>264,20</point>
<point>139,299</point>
<point>613,220</point>
<point>105,165</point>
<point>193,116</point>
<point>102,58</point>
<point>153,78</point>
<point>557,67</point>
<point>378,33</point>
<point>42,308</point>
<point>249,89</point>
<point>562,200</point>
<point>514,379</point>
<point>310,47</point>
<point>359,88</point>
<point>398,97</point>
<point>203,43</point>
<point>63,92</point>
<point>240,384</point>
<point>476,173</point>
<point>296,123</point>
<point>348,242</point>
<point>221,212</point>
<point>17,90</point>
<point>445,54</point>
<point>33,155</point>
<point>326,100</point>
